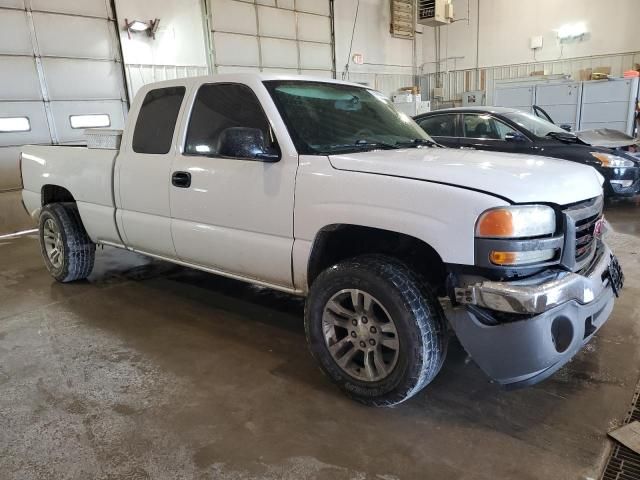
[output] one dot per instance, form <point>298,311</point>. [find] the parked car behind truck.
<point>500,129</point>
<point>322,189</point>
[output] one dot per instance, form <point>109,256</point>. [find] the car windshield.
<point>536,125</point>
<point>329,118</point>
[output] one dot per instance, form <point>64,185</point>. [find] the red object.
<point>631,74</point>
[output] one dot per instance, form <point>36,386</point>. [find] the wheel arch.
<point>50,193</point>
<point>340,241</point>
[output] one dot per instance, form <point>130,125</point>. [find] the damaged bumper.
<point>551,317</point>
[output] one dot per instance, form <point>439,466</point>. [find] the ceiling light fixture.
<point>138,26</point>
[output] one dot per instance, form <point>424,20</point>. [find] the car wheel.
<point>67,250</point>
<point>376,329</point>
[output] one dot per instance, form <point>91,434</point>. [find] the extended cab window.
<point>439,125</point>
<point>221,106</point>
<point>157,120</point>
<point>485,127</point>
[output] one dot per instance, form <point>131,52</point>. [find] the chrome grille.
<point>581,222</point>
<point>585,238</point>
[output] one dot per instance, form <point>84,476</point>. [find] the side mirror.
<point>566,127</point>
<point>245,142</point>
<point>515,137</point>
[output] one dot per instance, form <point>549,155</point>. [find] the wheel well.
<point>339,242</point>
<point>55,194</point>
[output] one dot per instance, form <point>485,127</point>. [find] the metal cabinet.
<point>582,105</point>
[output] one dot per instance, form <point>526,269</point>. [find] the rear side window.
<point>157,120</point>
<point>439,125</point>
<point>220,106</point>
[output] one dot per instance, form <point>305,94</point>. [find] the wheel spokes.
<point>360,335</point>
<point>52,241</point>
<point>335,307</point>
<point>368,365</point>
<point>378,360</point>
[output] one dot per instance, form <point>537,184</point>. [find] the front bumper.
<point>614,176</point>
<point>561,315</point>
<point>541,292</point>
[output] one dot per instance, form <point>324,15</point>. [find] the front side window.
<point>327,118</point>
<point>439,125</point>
<point>485,127</point>
<point>218,108</point>
<point>157,120</point>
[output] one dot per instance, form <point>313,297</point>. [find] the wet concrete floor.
<point>149,370</point>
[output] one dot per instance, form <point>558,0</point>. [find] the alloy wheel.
<point>360,335</point>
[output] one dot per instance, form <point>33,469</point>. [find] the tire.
<point>397,292</point>
<point>61,229</point>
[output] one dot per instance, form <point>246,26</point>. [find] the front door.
<point>143,170</point>
<point>485,132</point>
<point>235,214</point>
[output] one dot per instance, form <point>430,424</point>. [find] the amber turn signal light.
<point>521,258</point>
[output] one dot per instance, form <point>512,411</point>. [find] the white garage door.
<point>60,71</point>
<point>281,36</point>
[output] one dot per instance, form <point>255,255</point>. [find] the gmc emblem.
<point>598,229</point>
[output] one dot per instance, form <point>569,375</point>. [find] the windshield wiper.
<point>364,145</point>
<point>563,136</point>
<point>417,142</point>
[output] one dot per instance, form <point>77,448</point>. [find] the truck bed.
<point>87,174</point>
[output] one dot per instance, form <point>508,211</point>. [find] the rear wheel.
<point>67,250</point>
<point>377,330</point>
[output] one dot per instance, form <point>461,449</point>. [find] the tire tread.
<point>79,249</point>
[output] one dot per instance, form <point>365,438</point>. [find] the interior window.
<point>486,127</point>
<point>14,124</point>
<point>221,106</point>
<point>439,125</point>
<point>157,120</point>
<point>90,121</point>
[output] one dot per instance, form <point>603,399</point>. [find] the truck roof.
<point>249,77</point>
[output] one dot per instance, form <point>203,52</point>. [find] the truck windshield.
<point>329,118</point>
<point>536,125</point>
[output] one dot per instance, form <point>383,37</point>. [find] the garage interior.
<point>149,369</point>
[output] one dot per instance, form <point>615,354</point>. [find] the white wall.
<point>382,52</point>
<point>506,27</point>
<point>180,36</point>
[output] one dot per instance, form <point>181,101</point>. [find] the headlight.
<point>612,161</point>
<point>519,221</point>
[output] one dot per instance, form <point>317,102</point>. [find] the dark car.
<point>509,130</point>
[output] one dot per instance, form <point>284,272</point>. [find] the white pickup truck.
<point>322,189</point>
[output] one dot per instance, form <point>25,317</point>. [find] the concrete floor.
<point>153,371</point>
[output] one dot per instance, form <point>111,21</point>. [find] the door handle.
<point>181,179</point>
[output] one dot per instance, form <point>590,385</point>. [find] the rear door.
<point>442,128</point>
<point>235,214</point>
<point>485,132</point>
<point>143,172</point>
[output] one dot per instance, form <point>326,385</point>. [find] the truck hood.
<point>518,178</point>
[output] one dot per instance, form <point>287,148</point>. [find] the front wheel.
<point>67,250</point>
<point>376,330</point>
